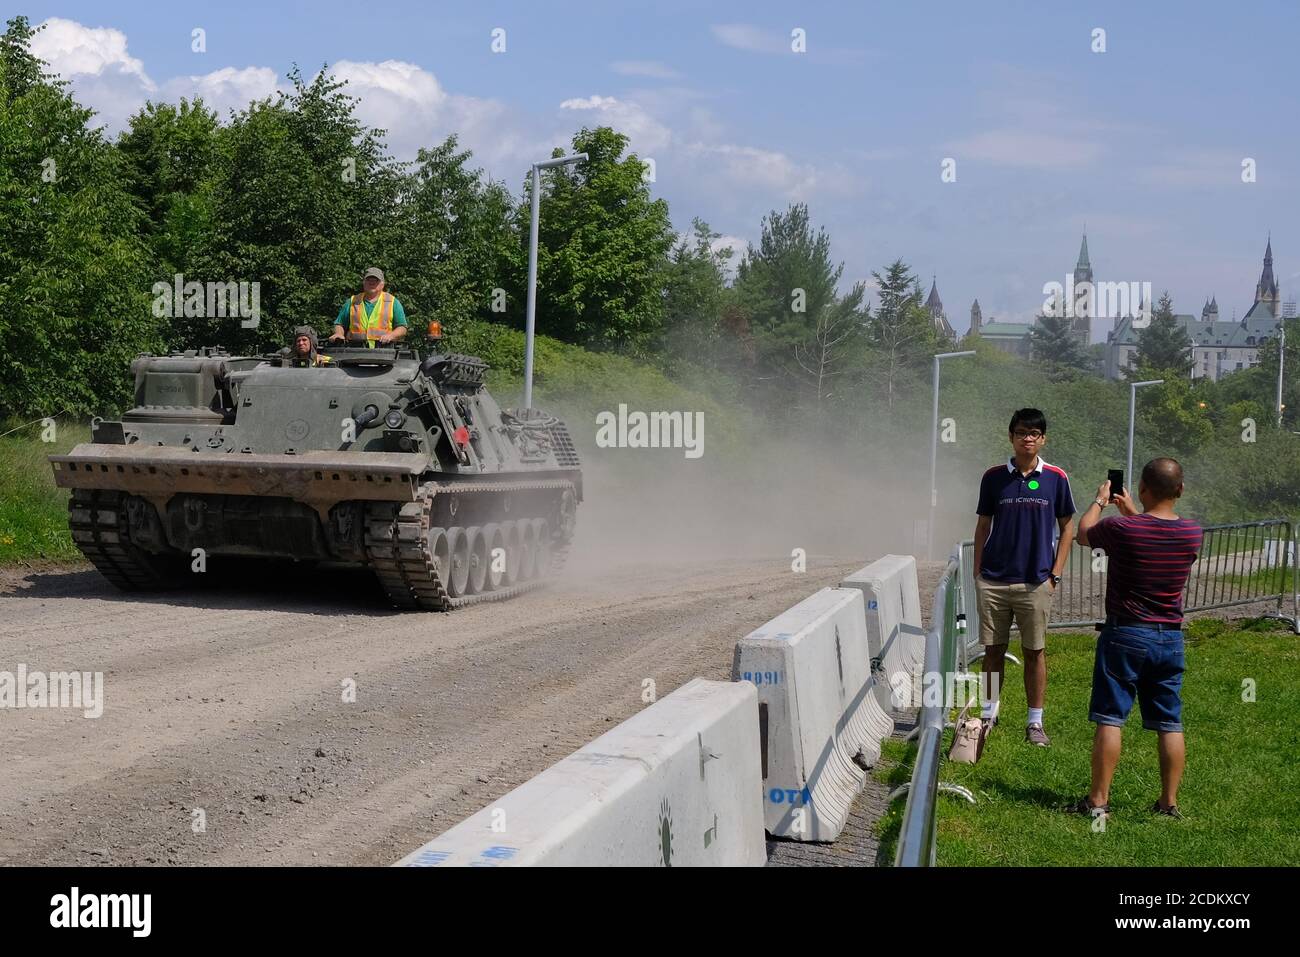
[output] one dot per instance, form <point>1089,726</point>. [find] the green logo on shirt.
<point>1033,483</point>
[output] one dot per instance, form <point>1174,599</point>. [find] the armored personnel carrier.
<point>383,458</point>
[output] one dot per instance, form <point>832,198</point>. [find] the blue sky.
<point>1143,142</point>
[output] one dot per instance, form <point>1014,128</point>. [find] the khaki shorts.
<point>1029,605</point>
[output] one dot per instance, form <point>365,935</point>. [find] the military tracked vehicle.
<point>392,459</point>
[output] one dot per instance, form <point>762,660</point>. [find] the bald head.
<point>1163,478</point>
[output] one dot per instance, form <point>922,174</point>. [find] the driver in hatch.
<point>374,315</point>
<point>303,354</point>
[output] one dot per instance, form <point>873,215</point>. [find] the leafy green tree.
<point>1266,394</point>
<point>901,333</point>
<point>602,248</point>
<point>1164,345</point>
<point>1176,414</point>
<point>74,273</point>
<point>695,294</point>
<point>1054,344</point>
<point>168,150</point>
<point>805,336</point>
<point>454,238</point>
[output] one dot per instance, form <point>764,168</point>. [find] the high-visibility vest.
<point>378,323</point>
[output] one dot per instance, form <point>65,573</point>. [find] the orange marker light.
<point>435,329</point>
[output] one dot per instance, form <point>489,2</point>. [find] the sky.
<point>1044,125</point>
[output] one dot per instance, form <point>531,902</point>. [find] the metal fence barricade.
<point>916,838</point>
<point>1241,563</point>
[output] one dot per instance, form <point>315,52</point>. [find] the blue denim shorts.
<point>1146,663</point>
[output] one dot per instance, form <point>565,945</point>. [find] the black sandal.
<point>1086,807</point>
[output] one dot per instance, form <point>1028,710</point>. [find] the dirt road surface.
<point>230,700</point>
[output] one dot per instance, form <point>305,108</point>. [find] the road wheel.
<point>497,557</point>
<point>478,559</point>
<point>458,549</point>
<point>514,552</point>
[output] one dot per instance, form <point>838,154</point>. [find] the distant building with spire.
<point>1010,337</point>
<point>1218,347</point>
<point>1084,307</point>
<point>934,306</point>
<point>1268,300</point>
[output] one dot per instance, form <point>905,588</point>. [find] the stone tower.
<point>1266,290</point>
<point>1085,307</point>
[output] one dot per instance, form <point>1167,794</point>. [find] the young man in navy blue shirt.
<point>1024,505</point>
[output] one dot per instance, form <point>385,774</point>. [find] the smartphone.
<point>1116,477</point>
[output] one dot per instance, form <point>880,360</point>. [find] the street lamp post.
<point>1281,358</point>
<point>532,268</point>
<point>934,451</point>
<point>1132,410</point>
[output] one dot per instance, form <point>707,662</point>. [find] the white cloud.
<point>103,74</point>
<point>646,135</point>
<point>416,110</point>
<point>73,49</point>
<point>752,167</point>
<point>746,36</point>
<point>648,68</point>
<point>737,244</point>
<point>225,89</point>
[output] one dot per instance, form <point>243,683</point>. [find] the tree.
<point>453,239</point>
<point>803,332</point>
<point>1054,344</point>
<point>1176,415</point>
<point>74,273</point>
<point>1164,345</point>
<point>602,248</point>
<point>1266,394</point>
<point>168,150</point>
<point>901,333</point>
<point>695,292</point>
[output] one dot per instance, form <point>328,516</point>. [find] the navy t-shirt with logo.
<point>1025,510</point>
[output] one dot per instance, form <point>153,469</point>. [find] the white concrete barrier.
<point>893,614</point>
<point>677,784</point>
<point>816,710</point>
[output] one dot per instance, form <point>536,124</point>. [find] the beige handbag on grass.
<point>965,737</point>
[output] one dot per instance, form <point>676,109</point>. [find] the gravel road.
<point>229,699</point>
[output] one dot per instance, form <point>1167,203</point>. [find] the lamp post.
<point>531,321</point>
<point>1281,358</point>
<point>1132,410</point>
<point>934,451</point>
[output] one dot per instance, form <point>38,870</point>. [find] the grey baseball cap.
<point>373,271</point>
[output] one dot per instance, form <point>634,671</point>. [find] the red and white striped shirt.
<point>1148,561</point>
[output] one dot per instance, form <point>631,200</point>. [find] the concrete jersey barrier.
<point>676,785</point>
<point>812,670</point>
<point>892,598</point>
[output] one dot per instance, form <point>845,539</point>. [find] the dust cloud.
<point>655,507</point>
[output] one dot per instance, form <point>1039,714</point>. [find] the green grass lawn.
<point>33,512</point>
<point>1241,791</point>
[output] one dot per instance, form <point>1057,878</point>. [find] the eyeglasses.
<point>1020,434</point>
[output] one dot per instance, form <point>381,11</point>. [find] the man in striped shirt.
<point>1140,648</point>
